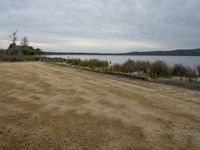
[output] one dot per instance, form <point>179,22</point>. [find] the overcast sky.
<point>102,25</point>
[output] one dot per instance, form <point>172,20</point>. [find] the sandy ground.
<point>50,107</point>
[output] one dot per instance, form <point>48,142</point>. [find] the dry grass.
<point>49,107</point>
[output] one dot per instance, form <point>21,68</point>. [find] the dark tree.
<point>24,41</point>
<point>13,36</point>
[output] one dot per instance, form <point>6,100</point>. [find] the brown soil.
<point>50,107</point>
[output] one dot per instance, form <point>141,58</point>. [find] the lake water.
<point>190,61</point>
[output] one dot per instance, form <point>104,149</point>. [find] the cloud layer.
<point>103,25</point>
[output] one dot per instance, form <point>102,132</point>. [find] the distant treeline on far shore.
<point>181,52</point>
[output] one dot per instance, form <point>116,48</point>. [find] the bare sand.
<point>48,107</point>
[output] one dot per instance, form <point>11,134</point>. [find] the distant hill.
<point>186,52</point>
<point>180,52</point>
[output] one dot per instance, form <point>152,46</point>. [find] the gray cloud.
<point>102,25</point>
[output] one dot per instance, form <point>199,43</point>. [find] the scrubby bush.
<point>191,74</point>
<point>144,66</point>
<point>160,69</point>
<point>198,69</point>
<point>117,68</point>
<point>30,51</point>
<point>93,63</point>
<point>179,70</point>
<point>131,66</point>
<point>75,62</point>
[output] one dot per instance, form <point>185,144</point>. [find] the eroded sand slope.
<point>49,107</point>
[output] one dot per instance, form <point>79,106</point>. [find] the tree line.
<point>23,49</point>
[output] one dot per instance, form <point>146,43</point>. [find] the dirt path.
<point>49,107</point>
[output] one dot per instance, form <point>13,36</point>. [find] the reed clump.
<point>157,69</point>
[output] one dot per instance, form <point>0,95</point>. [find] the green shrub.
<point>30,51</point>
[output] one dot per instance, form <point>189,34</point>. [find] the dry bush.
<point>160,69</point>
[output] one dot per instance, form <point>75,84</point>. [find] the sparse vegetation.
<point>148,69</point>
<point>92,63</point>
<point>131,66</point>
<point>19,58</point>
<point>157,69</point>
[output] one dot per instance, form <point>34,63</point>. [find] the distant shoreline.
<point>116,54</point>
<point>185,52</point>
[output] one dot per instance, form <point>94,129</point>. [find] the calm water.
<point>190,61</point>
